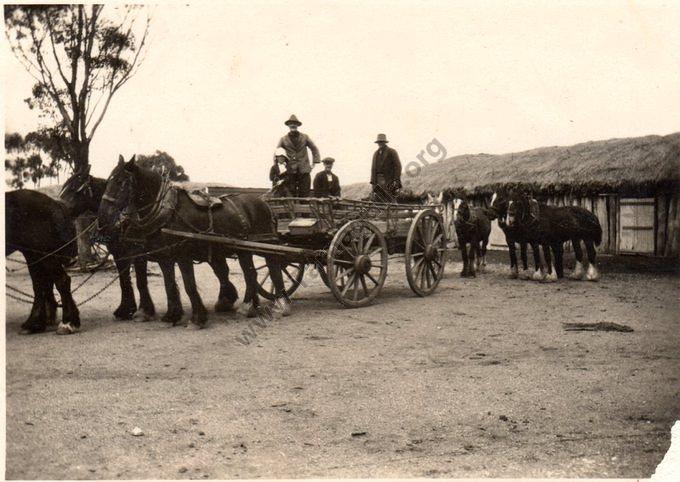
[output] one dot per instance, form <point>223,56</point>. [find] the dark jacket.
<point>388,164</point>
<point>275,174</point>
<point>296,149</point>
<point>322,188</point>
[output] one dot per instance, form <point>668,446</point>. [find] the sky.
<point>220,79</point>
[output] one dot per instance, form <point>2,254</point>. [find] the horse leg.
<point>50,305</point>
<point>250,275</point>
<point>514,271</point>
<point>485,242</point>
<point>558,249</point>
<point>471,264</point>
<point>592,274</point>
<point>36,321</point>
<point>175,310</point>
<point>199,315</point>
<point>127,307</point>
<point>282,301</point>
<point>464,255</point>
<point>538,263</point>
<point>146,305</point>
<point>551,276</point>
<point>228,294</point>
<point>578,272</point>
<point>70,318</point>
<point>525,274</point>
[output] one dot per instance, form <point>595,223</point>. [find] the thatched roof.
<point>617,165</point>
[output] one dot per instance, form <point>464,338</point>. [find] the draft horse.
<point>473,228</point>
<point>83,193</point>
<point>552,226</point>
<point>41,229</point>
<point>498,209</point>
<point>138,203</point>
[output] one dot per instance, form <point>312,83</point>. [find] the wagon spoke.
<point>375,251</point>
<point>285,270</point>
<point>368,243</point>
<point>266,277</point>
<point>363,285</point>
<point>355,296</point>
<point>350,282</point>
<point>433,272</point>
<point>343,261</point>
<point>344,273</point>
<point>372,278</point>
<point>438,238</point>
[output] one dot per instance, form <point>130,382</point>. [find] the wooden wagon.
<point>349,243</point>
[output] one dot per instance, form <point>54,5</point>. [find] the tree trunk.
<point>82,155</point>
<point>85,254</point>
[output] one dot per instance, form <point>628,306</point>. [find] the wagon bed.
<point>348,243</point>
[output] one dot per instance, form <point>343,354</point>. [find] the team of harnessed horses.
<point>138,210</point>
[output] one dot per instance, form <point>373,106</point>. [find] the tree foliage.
<point>30,159</point>
<point>164,163</point>
<point>79,57</point>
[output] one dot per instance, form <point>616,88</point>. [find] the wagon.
<point>348,243</point>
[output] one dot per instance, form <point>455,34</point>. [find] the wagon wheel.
<point>357,263</point>
<point>425,252</point>
<point>292,278</point>
<point>99,256</point>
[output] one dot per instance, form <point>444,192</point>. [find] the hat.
<point>382,138</point>
<point>293,121</point>
<point>280,152</point>
<point>328,160</point>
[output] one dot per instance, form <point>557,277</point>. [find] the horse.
<point>498,209</point>
<point>473,227</point>
<point>83,193</point>
<point>41,229</point>
<point>138,203</point>
<point>552,226</point>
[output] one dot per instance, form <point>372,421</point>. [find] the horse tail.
<point>589,224</point>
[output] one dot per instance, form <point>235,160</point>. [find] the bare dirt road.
<point>478,380</point>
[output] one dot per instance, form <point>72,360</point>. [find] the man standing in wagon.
<point>296,143</point>
<point>385,171</point>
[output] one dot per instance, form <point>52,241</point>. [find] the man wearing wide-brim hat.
<point>299,168</point>
<point>385,171</point>
<point>327,184</point>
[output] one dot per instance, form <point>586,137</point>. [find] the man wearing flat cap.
<point>327,184</point>
<point>385,171</point>
<point>296,144</point>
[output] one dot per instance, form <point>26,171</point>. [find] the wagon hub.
<point>430,252</point>
<point>362,264</point>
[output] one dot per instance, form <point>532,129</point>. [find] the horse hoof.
<point>67,329</point>
<point>577,274</point>
<point>592,274</point>
<point>32,328</point>
<point>525,274</point>
<point>173,318</point>
<point>285,307</point>
<point>199,318</point>
<point>122,313</point>
<point>143,316</point>
<point>538,275</point>
<point>223,306</point>
<point>196,326</point>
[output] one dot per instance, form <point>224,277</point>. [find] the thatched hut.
<point>632,185</point>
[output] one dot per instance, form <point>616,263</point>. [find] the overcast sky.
<point>220,79</point>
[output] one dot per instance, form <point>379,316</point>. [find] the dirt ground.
<point>478,380</point>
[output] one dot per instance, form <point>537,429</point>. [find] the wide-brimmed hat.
<point>382,138</point>
<point>328,160</point>
<point>293,121</point>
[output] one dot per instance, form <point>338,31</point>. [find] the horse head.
<point>80,193</point>
<point>518,210</point>
<point>118,202</point>
<point>461,209</point>
<point>498,207</point>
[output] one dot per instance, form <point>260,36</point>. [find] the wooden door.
<point>636,226</point>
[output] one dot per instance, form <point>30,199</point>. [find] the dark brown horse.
<point>552,226</point>
<point>498,209</point>
<point>138,203</point>
<point>83,193</point>
<point>473,228</point>
<point>41,229</point>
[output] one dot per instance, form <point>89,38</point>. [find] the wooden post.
<point>601,212</point>
<point>673,238</point>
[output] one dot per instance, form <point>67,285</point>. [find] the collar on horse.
<point>159,214</point>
